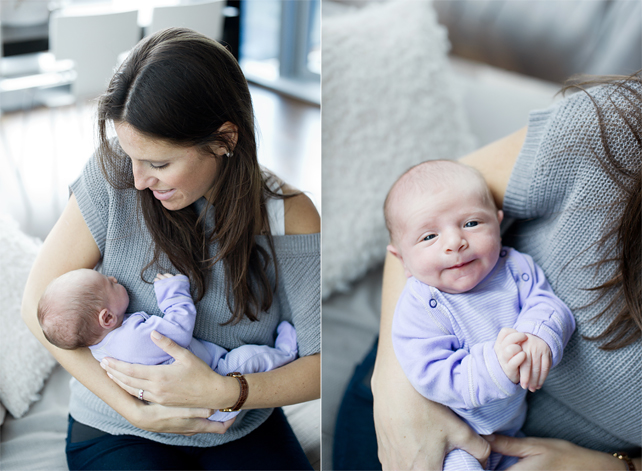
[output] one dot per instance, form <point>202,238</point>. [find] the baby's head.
<point>444,225</point>
<point>80,307</point>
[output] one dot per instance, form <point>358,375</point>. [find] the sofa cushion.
<point>25,364</point>
<point>389,102</point>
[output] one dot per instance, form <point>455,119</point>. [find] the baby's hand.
<point>160,276</point>
<point>509,352</point>
<point>534,370</point>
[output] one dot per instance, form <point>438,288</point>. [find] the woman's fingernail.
<point>156,335</point>
<point>489,438</point>
<point>104,363</point>
<point>109,374</point>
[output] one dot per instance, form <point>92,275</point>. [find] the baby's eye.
<point>471,224</point>
<point>430,237</point>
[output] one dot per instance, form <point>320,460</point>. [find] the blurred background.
<point>58,56</point>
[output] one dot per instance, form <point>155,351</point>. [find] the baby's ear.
<point>106,319</point>
<point>500,216</point>
<point>393,250</point>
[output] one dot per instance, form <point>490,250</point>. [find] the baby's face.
<point>448,238</point>
<point>116,297</point>
<point>114,294</point>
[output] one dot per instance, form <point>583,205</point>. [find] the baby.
<point>475,320</point>
<point>84,308</point>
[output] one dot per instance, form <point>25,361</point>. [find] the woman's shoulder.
<point>301,215</point>
<point>297,214</point>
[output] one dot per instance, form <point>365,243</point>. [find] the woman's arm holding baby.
<point>496,161</point>
<point>70,246</point>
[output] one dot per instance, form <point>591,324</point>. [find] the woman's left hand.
<point>552,454</point>
<point>188,382</point>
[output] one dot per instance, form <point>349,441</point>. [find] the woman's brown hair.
<point>180,87</point>
<point>622,240</point>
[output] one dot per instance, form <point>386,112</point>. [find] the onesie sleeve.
<point>174,300</point>
<point>434,360</point>
<point>542,313</point>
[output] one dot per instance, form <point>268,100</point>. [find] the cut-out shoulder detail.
<point>301,216</point>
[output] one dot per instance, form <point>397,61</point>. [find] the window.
<point>280,45</point>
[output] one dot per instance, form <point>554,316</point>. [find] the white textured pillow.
<point>389,102</point>
<point>24,363</point>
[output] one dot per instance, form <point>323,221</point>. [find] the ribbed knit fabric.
<point>593,397</point>
<point>126,247</point>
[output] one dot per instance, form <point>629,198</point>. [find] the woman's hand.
<point>552,454</point>
<point>178,420</point>
<point>188,382</point>
<point>415,433</point>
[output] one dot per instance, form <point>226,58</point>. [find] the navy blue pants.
<point>355,441</point>
<point>273,445</point>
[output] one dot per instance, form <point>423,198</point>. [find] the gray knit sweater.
<point>125,246</point>
<point>561,197</point>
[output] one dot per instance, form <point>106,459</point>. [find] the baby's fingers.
<point>536,369</point>
<point>515,362</point>
<point>546,367</point>
<point>503,333</point>
<point>514,338</point>
<point>510,351</point>
<point>525,372</point>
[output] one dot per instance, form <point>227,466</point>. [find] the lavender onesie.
<point>131,341</point>
<point>444,343</point>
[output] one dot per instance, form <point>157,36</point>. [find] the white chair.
<point>206,18</point>
<point>93,40</point>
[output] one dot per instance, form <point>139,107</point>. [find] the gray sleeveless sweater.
<point>562,198</point>
<point>126,247</point>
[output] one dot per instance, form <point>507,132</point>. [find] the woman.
<point>572,181</point>
<point>179,189</point>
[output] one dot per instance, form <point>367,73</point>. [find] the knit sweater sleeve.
<point>93,194</point>
<point>299,259</point>
<point>560,153</point>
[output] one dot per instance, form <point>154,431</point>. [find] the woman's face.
<point>177,176</point>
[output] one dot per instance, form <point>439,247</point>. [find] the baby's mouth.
<point>461,265</point>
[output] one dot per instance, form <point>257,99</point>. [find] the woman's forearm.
<point>70,246</point>
<point>299,381</point>
<point>393,283</point>
<point>83,366</point>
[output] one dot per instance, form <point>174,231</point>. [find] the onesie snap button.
<point>433,303</point>
<point>502,253</point>
<point>524,277</point>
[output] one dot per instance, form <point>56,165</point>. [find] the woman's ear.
<point>231,132</point>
